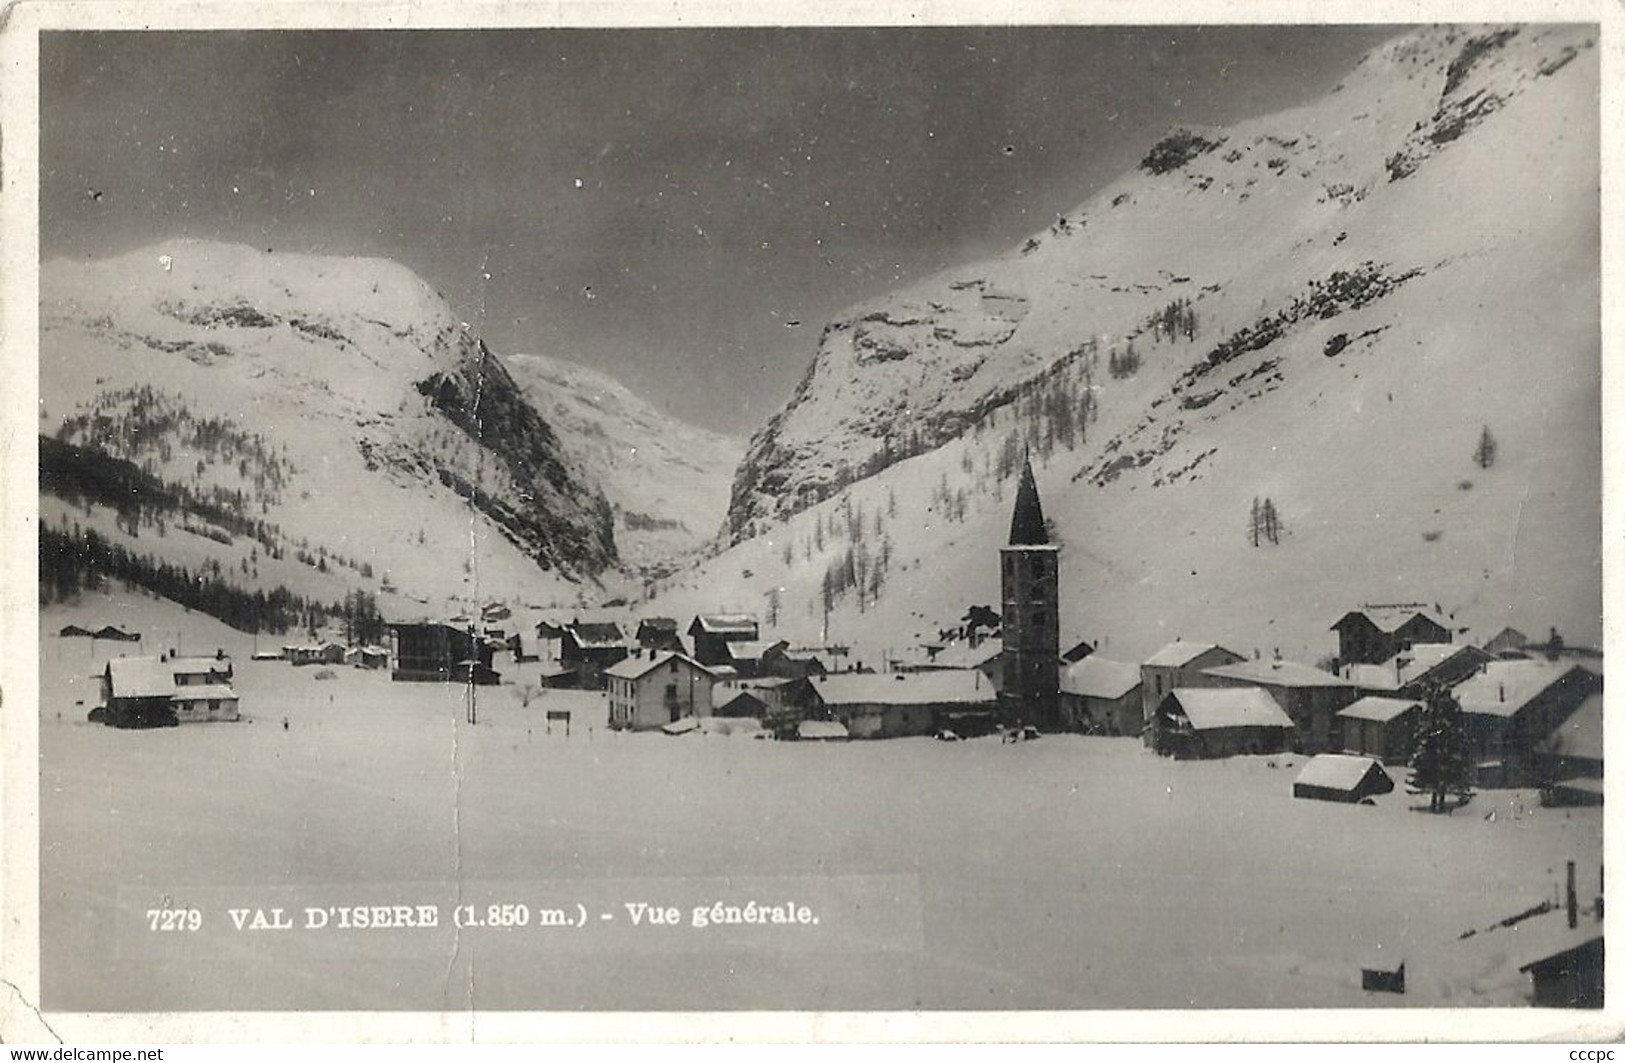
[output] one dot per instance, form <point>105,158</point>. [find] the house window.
<point>214,706</point>
<point>671,691</point>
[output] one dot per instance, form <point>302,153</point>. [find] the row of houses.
<point>730,644</point>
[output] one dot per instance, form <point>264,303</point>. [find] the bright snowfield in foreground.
<point>1065,873</point>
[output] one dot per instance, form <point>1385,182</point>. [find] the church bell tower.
<point>1030,576</point>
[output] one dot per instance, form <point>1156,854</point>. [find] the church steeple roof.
<point>1027,523</point>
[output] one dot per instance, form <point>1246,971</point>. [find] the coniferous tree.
<point>1441,760</point>
<point>1484,453</point>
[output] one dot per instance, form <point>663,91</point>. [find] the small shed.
<point>1384,728</point>
<point>737,703</point>
<point>1342,777</point>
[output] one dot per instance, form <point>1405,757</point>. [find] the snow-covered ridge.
<point>1223,218</point>
<point>405,442</point>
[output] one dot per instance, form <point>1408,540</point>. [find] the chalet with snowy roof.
<point>734,703</point>
<point>113,634</point>
<point>1342,777</point>
<point>314,653</point>
<point>1380,727</point>
<point>590,649</point>
<point>156,691</point>
<point>657,633</point>
<point>1311,697</point>
<point>710,633</point>
<point>1508,638</point>
<point>1101,696</point>
<point>1512,707</point>
<point>779,661</point>
<point>894,704</point>
<point>1562,953</point>
<point>1411,673</point>
<point>372,657</point>
<point>74,631</point>
<point>1374,633</point>
<point>1219,722</point>
<point>649,691</point>
<point>428,652</point>
<point>985,656</point>
<point>1178,664</point>
<point>746,655</point>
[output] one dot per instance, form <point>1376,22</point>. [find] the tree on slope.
<point>1484,454</point>
<point>1441,760</point>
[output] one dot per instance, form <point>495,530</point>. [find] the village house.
<point>156,691</point>
<point>894,704</point>
<point>372,657</point>
<point>1219,722</point>
<point>710,634</point>
<point>778,662</point>
<point>1569,762</point>
<point>113,634</point>
<point>1411,673</point>
<point>1374,633</point>
<point>590,649</point>
<point>1380,727</point>
<point>649,691</point>
<point>1311,697</point>
<point>314,653</point>
<point>1178,664</point>
<point>657,633</point>
<point>1508,638</point>
<point>1342,777</point>
<point>427,652</point>
<point>1101,696</point>
<point>1511,707</point>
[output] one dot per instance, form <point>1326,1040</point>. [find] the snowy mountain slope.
<point>1227,219</point>
<point>338,401</point>
<point>667,481</point>
<point>1358,288</point>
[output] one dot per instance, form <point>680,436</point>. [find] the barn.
<point>1384,728</point>
<point>1219,722</point>
<point>590,649</point>
<point>710,634</point>
<point>1178,664</point>
<point>895,704</point>
<point>1101,696</point>
<point>1311,697</point>
<point>1512,707</point>
<point>1342,777</point>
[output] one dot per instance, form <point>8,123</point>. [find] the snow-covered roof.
<point>1337,771</point>
<point>1382,710</point>
<point>197,665</point>
<point>821,729</point>
<point>664,624</point>
<point>1216,707</point>
<point>1277,674</point>
<point>204,692</point>
<point>950,686</point>
<point>1390,618</point>
<point>600,635</point>
<point>964,655</point>
<point>1179,653</point>
<point>1422,658</point>
<point>1097,677</point>
<point>722,697</point>
<point>1581,734</point>
<point>726,623</point>
<point>141,677</point>
<point>638,667</point>
<point>1501,688</point>
<point>1371,676</point>
<point>1544,936</point>
<point>747,649</point>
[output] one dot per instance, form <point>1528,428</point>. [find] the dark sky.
<point>730,181</point>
